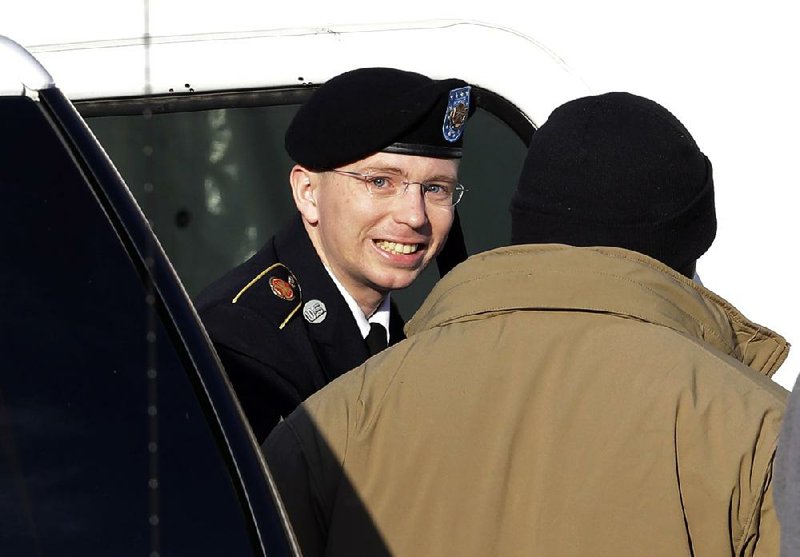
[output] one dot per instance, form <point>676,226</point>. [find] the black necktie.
<point>376,339</point>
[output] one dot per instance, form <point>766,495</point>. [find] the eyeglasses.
<point>388,184</point>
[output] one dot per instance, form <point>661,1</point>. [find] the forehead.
<point>409,164</point>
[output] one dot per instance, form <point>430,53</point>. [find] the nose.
<point>410,207</point>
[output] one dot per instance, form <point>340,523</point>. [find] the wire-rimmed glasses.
<point>388,184</point>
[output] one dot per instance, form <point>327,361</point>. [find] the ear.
<point>304,184</point>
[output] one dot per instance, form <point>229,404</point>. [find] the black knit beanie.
<point>616,170</point>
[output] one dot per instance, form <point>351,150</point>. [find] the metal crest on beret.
<point>456,114</point>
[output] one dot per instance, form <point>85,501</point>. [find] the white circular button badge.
<point>315,311</point>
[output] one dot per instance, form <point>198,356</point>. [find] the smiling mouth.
<point>397,247</point>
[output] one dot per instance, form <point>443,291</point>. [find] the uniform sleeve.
<point>263,393</point>
<point>298,475</point>
<point>268,371</point>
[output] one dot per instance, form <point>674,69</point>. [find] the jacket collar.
<point>337,338</point>
<point>607,280</point>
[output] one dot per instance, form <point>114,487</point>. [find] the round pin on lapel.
<point>315,311</point>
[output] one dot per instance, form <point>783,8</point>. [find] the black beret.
<point>616,170</point>
<point>365,111</point>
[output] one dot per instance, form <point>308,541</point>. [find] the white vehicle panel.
<point>288,57</point>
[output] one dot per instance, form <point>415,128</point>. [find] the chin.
<point>396,282</point>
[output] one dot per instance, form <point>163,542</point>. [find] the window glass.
<point>221,184</point>
<point>220,181</point>
<point>104,448</point>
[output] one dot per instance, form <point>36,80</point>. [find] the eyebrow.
<point>391,169</point>
<point>442,178</point>
<point>395,170</point>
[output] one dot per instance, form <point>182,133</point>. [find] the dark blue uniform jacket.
<point>275,358</point>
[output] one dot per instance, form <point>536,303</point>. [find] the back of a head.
<point>616,170</point>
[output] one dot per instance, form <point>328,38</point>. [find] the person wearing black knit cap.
<point>617,170</point>
<point>377,153</point>
<point>575,393</point>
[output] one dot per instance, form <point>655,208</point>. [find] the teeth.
<point>397,247</point>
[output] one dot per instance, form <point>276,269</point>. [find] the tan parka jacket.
<point>550,401</point>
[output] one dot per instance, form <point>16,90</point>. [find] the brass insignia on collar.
<point>282,284</point>
<point>281,288</point>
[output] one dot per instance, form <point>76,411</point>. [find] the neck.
<point>688,270</point>
<point>368,306</point>
<point>368,299</point>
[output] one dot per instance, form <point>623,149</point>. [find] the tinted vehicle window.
<point>104,448</point>
<point>221,183</point>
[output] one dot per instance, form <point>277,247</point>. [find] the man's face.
<point>374,245</point>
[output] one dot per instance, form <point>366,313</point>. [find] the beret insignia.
<point>456,113</point>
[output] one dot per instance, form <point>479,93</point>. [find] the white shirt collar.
<point>381,315</point>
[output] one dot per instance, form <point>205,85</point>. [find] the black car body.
<point>119,433</point>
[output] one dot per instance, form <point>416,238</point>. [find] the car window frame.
<point>267,521</point>
<point>487,99</point>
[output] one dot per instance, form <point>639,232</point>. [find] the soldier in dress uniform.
<point>375,183</point>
